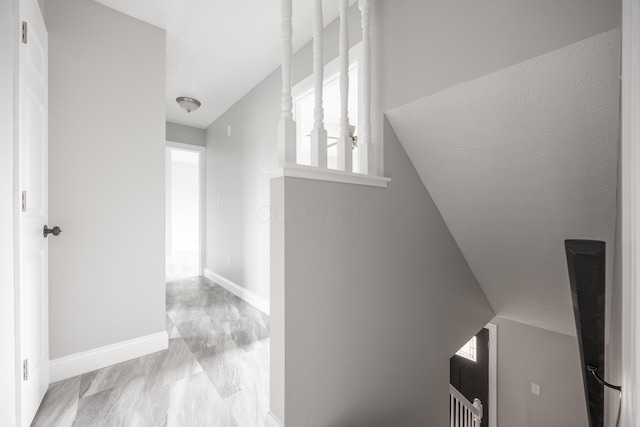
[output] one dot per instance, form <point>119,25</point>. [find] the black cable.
<point>594,372</point>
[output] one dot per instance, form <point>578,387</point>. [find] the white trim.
<point>493,374</point>
<point>305,86</point>
<point>314,173</point>
<point>272,421</point>
<point>248,296</point>
<point>630,174</point>
<point>201,165</point>
<point>185,146</point>
<point>10,404</point>
<point>87,361</point>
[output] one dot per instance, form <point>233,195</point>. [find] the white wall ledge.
<point>331,175</point>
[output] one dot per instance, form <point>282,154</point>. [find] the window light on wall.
<point>468,351</point>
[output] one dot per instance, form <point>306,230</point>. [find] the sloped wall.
<point>377,298</point>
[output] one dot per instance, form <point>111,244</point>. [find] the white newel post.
<point>345,142</point>
<point>319,133</point>
<point>365,149</point>
<point>287,127</point>
<point>477,420</point>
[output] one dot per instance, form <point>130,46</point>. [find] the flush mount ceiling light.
<point>188,104</point>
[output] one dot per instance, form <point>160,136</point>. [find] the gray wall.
<point>8,368</point>
<point>377,299</point>
<point>528,354</point>
<point>185,134</point>
<point>106,176</point>
<point>238,227</point>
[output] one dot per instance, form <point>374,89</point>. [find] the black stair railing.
<point>586,262</point>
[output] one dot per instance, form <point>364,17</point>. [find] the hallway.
<point>214,373</point>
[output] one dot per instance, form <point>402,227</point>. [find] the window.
<point>303,105</point>
<point>468,351</point>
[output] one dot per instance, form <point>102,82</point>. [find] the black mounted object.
<point>586,262</point>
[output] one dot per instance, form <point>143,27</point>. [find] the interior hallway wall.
<point>526,355</point>
<point>106,165</point>
<point>377,292</point>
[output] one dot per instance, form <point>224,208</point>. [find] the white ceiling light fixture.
<point>188,104</point>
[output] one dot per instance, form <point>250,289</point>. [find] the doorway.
<point>473,371</point>
<point>184,211</point>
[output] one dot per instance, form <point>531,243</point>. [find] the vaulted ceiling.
<point>518,161</point>
<point>217,51</point>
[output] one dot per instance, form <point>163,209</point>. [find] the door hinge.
<point>24,201</point>
<point>25,370</point>
<point>24,32</point>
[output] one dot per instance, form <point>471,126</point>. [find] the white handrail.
<point>462,412</point>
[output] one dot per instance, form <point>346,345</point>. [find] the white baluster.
<point>319,133</point>
<point>365,149</point>
<point>345,142</point>
<point>287,126</point>
<point>465,418</point>
<point>452,404</point>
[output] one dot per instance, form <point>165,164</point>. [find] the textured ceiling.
<point>518,161</point>
<point>218,50</point>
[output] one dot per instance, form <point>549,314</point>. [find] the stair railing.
<point>462,412</point>
<point>287,125</point>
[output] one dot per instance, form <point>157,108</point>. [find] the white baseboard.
<point>252,298</point>
<point>87,361</point>
<point>272,421</point>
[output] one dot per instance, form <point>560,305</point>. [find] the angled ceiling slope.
<point>518,161</point>
<point>217,51</point>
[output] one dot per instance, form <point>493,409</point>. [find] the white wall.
<point>8,371</point>
<point>377,297</point>
<point>528,354</point>
<point>106,182</point>
<point>185,134</point>
<point>238,227</point>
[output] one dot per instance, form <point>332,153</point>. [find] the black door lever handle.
<point>55,231</point>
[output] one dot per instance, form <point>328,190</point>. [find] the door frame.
<point>493,373</point>
<point>10,405</point>
<point>10,209</point>
<point>201,151</point>
<point>630,185</point>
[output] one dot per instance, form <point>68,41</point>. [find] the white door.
<point>33,186</point>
